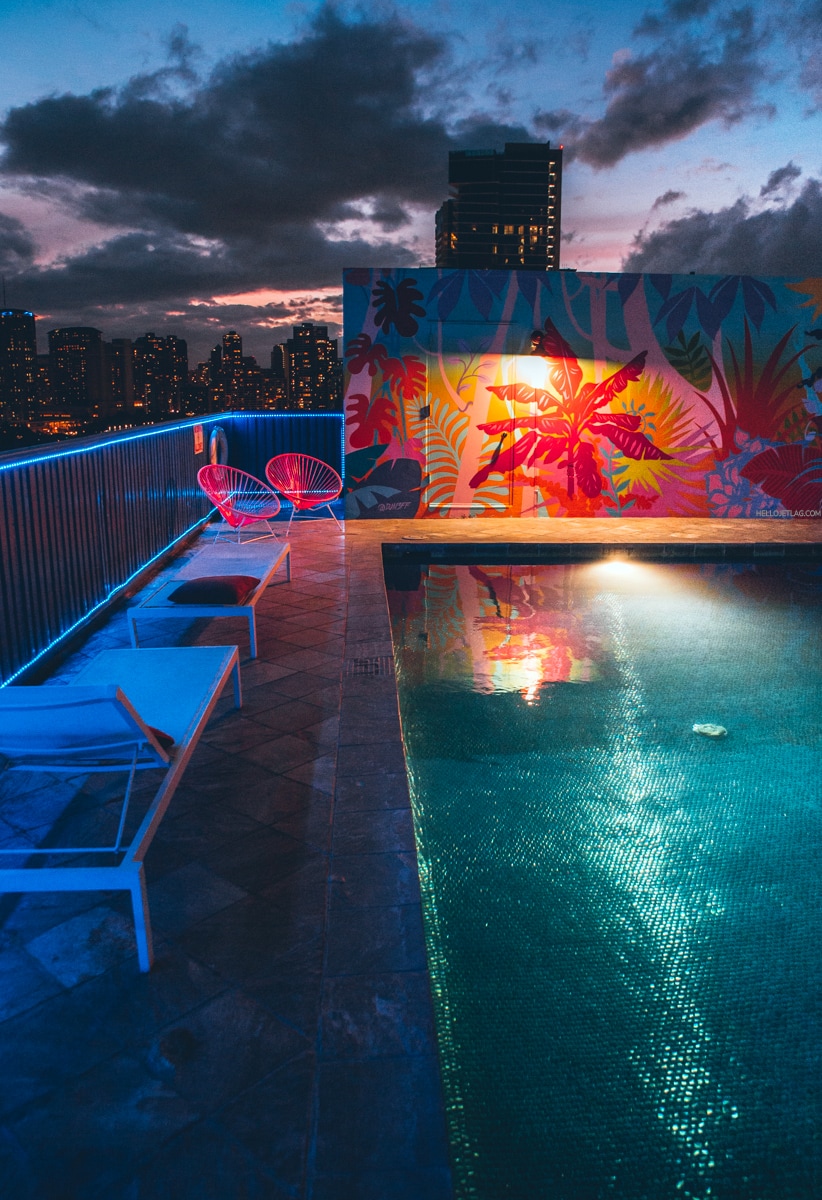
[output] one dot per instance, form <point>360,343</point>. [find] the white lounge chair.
<point>118,714</point>
<point>259,559</point>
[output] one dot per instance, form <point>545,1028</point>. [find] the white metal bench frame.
<point>173,689</point>
<point>224,559</point>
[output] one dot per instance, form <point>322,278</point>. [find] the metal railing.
<point>80,520</point>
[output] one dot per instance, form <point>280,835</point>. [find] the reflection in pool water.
<point>622,917</point>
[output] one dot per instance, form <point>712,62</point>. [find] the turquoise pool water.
<point>623,917</point>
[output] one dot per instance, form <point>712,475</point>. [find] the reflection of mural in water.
<point>565,394</point>
<point>512,627</point>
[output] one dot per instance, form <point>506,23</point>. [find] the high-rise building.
<point>76,370</point>
<point>504,210</point>
<point>232,355</point>
<point>119,360</point>
<point>160,375</point>
<point>216,382</point>
<point>18,364</point>
<point>312,369</point>
<point>279,374</point>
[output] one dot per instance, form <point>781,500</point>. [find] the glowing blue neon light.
<point>151,431</point>
<point>157,430</point>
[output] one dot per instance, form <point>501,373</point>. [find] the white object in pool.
<point>712,731</point>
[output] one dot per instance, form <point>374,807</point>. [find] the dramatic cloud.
<point>282,135</point>
<point>242,179</point>
<point>16,247</point>
<point>786,240</point>
<point>669,197</point>
<point>673,13</point>
<point>801,22</point>
<point>779,178</point>
<point>665,95</point>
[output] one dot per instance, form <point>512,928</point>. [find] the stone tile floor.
<point>283,1044</point>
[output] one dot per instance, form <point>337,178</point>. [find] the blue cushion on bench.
<point>215,589</point>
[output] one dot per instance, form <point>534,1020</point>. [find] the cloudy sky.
<point>190,167</point>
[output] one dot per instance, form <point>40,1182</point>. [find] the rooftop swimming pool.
<point>623,915</point>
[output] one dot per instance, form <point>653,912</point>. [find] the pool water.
<point>623,917</point>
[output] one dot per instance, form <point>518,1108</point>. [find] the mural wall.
<point>491,393</point>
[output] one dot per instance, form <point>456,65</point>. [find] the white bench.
<point>259,559</point>
<point>105,721</point>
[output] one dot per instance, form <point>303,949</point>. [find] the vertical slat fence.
<point>78,520</point>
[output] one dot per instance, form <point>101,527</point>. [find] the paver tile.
<point>374,880</point>
<point>258,860</point>
<point>188,895</point>
<point>272,1119</point>
<point>368,941</point>
<point>319,773</point>
<point>85,945</point>
<point>377,1016</point>
<point>281,753</point>
<point>243,943</point>
<point>23,982</point>
<point>380,1114</point>
<point>82,1137</point>
<point>373,832</point>
<point>203,1163</point>
<point>220,1049</point>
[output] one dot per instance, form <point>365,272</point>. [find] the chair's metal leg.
<point>142,919</point>
<point>290,519</point>
<point>334,515</point>
<point>133,627</point>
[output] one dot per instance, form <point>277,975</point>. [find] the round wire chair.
<point>306,482</point>
<point>240,498</point>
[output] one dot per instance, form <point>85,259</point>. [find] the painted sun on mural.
<point>482,393</point>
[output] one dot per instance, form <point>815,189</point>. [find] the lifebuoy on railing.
<point>218,446</point>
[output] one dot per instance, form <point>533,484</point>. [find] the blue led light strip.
<point>157,430</point>
<point>72,451</point>
<point>102,603</point>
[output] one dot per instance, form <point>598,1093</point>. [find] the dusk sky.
<point>192,167</point>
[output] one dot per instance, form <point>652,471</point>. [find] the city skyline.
<point>83,383</point>
<point>220,171</point>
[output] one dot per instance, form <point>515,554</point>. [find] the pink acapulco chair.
<point>304,481</point>
<point>240,498</point>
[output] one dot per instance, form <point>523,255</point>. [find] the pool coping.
<point>525,553</point>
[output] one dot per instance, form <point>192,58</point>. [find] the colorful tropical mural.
<point>483,393</point>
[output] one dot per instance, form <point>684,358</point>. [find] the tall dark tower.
<point>18,364</point>
<point>119,360</point>
<point>504,210</point>
<point>76,370</point>
<point>160,375</point>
